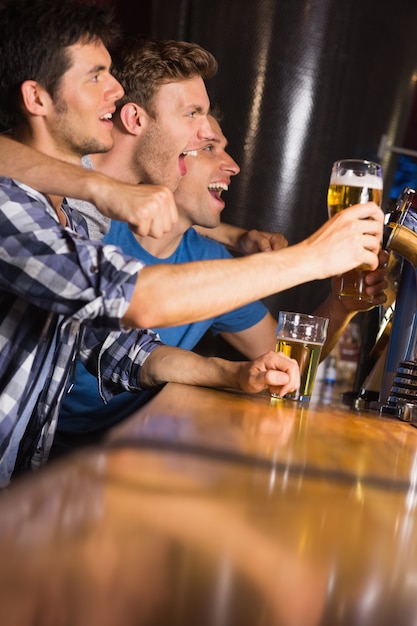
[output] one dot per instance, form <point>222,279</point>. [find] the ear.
<point>34,97</point>
<point>133,118</point>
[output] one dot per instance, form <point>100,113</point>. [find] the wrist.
<point>94,185</point>
<point>226,374</point>
<point>309,260</point>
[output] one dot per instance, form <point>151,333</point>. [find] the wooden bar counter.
<point>322,437</point>
<point>213,508</point>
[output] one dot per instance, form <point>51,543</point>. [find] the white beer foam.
<point>353,180</point>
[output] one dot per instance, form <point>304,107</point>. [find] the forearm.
<point>273,371</point>
<point>44,173</point>
<point>227,234</point>
<point>167,295</point>
<point>149,209</point>
<point>242,240</point>
<point>339,318</point>
<point>167,364</point>
<point>256,340</point>
<point>195,291</point>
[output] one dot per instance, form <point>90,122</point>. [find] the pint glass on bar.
<point>354,181</point>
<point>301,337</point>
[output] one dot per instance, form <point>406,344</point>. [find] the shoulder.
<point>14,188</point>
<point>203,248</point>
<point>15,196</point>
<point>98,224</point>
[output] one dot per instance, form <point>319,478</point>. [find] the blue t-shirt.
<point>83,410</point>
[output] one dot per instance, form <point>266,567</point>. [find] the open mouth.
<point>216,190</point>
<point>107,118</point>
<point>183,168</point>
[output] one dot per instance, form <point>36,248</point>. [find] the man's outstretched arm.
<point>273,371</point>
<point>149,209</point>
<point>242,240</point>
<point>167,295</point>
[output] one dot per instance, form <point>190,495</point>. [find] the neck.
<point>119,162</point>
<point>41,141</point>
<point>106,163</point>
<point>36,138</point>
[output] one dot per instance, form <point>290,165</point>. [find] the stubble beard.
<point>154,159</point>
<point>79,146</point>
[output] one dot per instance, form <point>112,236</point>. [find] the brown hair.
<point>142,65</point>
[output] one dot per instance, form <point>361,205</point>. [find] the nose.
<point>230,165</point>
<point>114,90</point>
<point>205,132</point>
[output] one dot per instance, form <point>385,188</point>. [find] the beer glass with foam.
<point>354,181</point>
<point>301,337</point>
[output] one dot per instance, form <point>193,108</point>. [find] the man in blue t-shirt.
<point>156,128</point>
<point>249,329</point>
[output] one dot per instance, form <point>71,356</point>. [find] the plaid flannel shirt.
<point>65,296</point>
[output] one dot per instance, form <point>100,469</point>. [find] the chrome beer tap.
<point>398,394</point>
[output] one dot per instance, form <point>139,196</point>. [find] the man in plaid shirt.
<point>57,287</point>
<point>63,296</point>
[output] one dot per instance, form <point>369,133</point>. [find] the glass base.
<point>291,396</point>
<point>356,296</point>
<point>353,286</point>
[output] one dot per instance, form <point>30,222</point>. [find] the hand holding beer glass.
<point>354,181</point>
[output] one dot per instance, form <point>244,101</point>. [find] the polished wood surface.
<point>212,508</point>
<point>324,436</point>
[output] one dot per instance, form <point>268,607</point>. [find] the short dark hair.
<point>34,37</point>
<point>142,64</point>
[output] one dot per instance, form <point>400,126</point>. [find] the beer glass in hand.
<point>354,181</point>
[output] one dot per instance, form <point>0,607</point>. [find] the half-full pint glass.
<point>354,181</point>
<point>301,337</point>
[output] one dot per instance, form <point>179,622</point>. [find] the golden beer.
<point>348,187</point>
<point>307,356</point>
<point>341,197</point>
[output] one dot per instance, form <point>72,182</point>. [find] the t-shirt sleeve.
<point>199,248</point>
